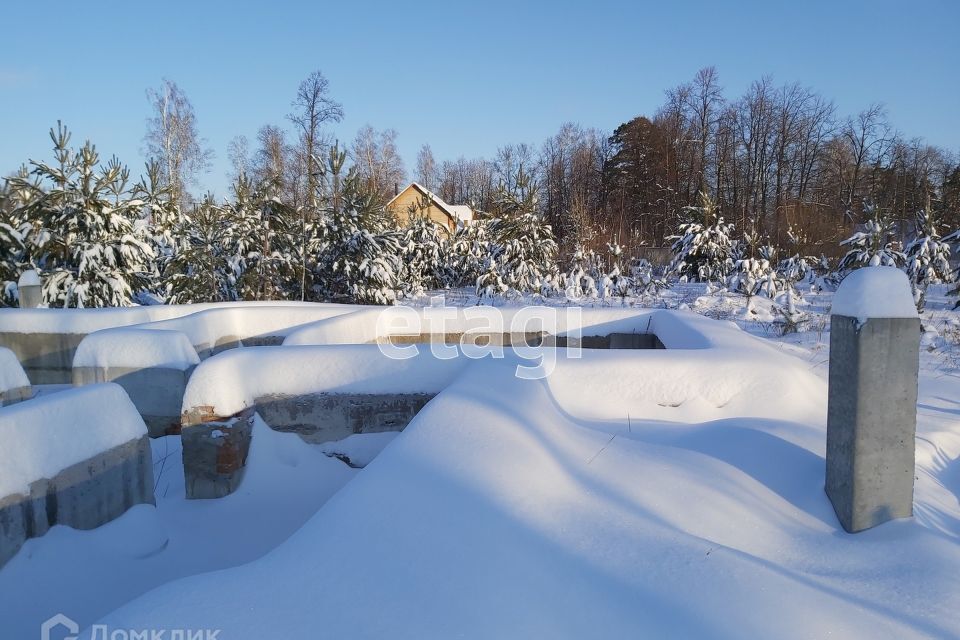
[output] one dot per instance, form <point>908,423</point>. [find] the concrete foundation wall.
<point>156,392</point>
<point>533,339</point>
<point>83,496</point>
<point>611,341</point>
<point>10,396</point>
<point>326,417</point>
<point>46,358</point>
<point>215,449</point>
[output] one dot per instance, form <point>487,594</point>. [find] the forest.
<point>752,193</point>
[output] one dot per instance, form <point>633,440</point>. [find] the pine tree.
<point>159,219</point>
<point>203,268</point>
<point>703,250</point>
<point>951,239</point>
<point>752,272</point>
<point>643,280</point>
<point>467,255</point>
<point>424,247</point>
<point>12,247</point>
<point>359,258</point>
<point>265,236</point>
<point>522,243</point>
<point>927,256</point>
<point>581,279</point>
<point>89,251</point>
<point>490,284</point>
<point>614,282</point>
<point>873,246</point>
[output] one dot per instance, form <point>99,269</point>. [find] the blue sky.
<point>463,77</point>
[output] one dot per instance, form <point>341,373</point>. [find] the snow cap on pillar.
<point>29,278</point>
<point>874,292</point>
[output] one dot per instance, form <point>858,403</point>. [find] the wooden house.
<point>417,200</point>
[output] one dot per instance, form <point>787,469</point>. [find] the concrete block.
<point>871,419</point>
<point>156,392</point>
<point>83,496</point>
<point>30,296</point>
<point>30,289</point>
<point>215,455</point>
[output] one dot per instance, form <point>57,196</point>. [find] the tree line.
<point>305,220</point>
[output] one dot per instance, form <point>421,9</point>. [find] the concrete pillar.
<point>872,410</point>
<point>30,290</point>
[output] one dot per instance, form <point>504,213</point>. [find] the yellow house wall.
<point>410,197</point>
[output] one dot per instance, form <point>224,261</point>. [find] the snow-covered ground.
<point>87,574</point>
<point>564,507</point>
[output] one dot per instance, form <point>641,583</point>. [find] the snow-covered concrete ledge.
<point>78,458</point>
<point>152,367</point>
<point>153,361</point>
<point>485,325</point>
<point>211,331</point>
<point>14,385</point>
<point>322,393</point>
<point>328,391</point>
<point>45,340</point>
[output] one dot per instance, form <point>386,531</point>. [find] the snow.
<point>462,212</point>
<point>87,574</point>
<point>82,321</point>
<point>874,292</point>
<point>136,348</point>
<point>29,278</point>
<point>490,517</point>
<point>208,328</point>
<point>626,495</point>
<point>41,437</point>
<point>11,373</point>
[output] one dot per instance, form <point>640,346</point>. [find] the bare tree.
<point>378,162</point>
<point>428,174</point>
<point>868,137</point>
<point>705,101</point>
<point>313,108</point>
<point>172,139</point>
<point>238,152</point>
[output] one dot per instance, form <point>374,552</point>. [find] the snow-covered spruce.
<point>703,250</point>
<point>873,246</point>
<point>643,280</point>
<point>359,259</point>
<point>753,273</point>
<point>202,269</point>
<point>264,241</point>
<point>927,256</point>
<point>522,245</point>
<point>424,249</point>
<point>615,283</point>
<point>81,233</point>
<point>581,279</point>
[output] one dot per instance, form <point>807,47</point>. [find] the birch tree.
<point>173,139</point>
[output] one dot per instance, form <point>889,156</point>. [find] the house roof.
<point>457,212</point>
